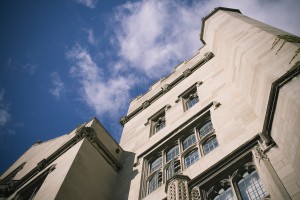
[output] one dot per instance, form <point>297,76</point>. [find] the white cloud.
<point>91,37</point>
<point>88,3</point>
<point>154,36</point>
<point>4,112</point>
<point>101,91</point>
<point>57,85</point>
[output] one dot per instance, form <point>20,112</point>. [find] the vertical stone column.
<point>177,188</point>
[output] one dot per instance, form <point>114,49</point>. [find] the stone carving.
<point>187,72</point>
<point>260,154</point>
<point>165,88</point>
<point>123,120</point>
<point>182,191</point>
<point>41,165</point>
<point>208,56</point>
<point>195,195</point>
<point>146,104</point>
<point>172,191</point>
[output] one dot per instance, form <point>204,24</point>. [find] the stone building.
<point>223,125</point>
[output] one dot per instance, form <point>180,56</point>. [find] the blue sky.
<point>65,62</point>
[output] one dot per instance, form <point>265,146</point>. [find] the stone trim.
<point>211,14</point>
<point>166,88</point>
<point>273,98</point>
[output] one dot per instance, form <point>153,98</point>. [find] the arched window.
<point>224,194</point>
<point>206,128</point>
<point>251,187</point>
<point>172,153</point>
<point>155,165</point>
<point>191,158</point>
<point>209,145</point>
<point>189,141</point>
<point>154,182</point>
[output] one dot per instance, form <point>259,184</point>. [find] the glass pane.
<point>154,182</point>
<point>191,158</point>
<point>209,145</point>
<point>173,169</point>
<point>159,126</point>
<point>189,141</point>
<point>155,165</point>
<point>191,102</point>
<point>172,153</point>
<point>225,195</point>
<point>251,188</point>
<point>206,129</point>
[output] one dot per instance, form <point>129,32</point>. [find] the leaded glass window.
<point>206,128</point>
<point>159,124</point>
<point>251,187</point>
<point>225,194</point>
<point>192,100</point>
<point>156,164</point>
<point>209,145</point>
<point>173,169</point>
<point>191,158</point>
<point>172,153</point>
<point>189,141</point>
<point>154,182</point>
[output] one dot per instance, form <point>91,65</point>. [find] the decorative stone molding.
<point>208,56</point>
<point>177,188</point>
<point>41,165</point>
<point>216,104</point>
<point>168,106</point>
<point>195,194</point>
<point>165,88</point>
<point>123,120</point>
<point>146,104</point>
<point>187,72</point>
<point>260,154</point>
<point>199,83</point>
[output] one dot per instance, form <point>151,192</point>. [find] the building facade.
<point>223,125</point>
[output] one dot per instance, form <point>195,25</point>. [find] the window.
<point>155,165</point>
<point>225,194</point>
<point>186,149</point>
<point>209,145</point>
<point>191,158</point>
<point>240,182</point>
<point>205,128</point>
<point>251,188</point>
<point>173,169</point>
<point>154,182</point>
<point>158,122</point>
<point>189,141</point>
<point>190,98</point>
<point>172,153</point>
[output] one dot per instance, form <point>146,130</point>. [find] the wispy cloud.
<point>58,85</point>
<point>30,68</point>
<point>4,110</point>
<point>88,3</point>
<point>91,37</point>
<point>101,91</point>
<point>153,36</point>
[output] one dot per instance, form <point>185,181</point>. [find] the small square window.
<point>190,98</point>
<point>158,123</point>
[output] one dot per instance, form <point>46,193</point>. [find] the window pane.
<point>225,195</point>
<point>172,153</point>
<point>251,188</point>
<point>189,141</point>
<point>155,165</point>
<point>173,169</point>
<point>191,158</point>
<point>209,145</point>
<point>191,102</point>
<point>159,125</point>
<point>206,129</point>
<point>154,182</point>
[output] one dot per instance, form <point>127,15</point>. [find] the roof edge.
<point>211,14</point>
